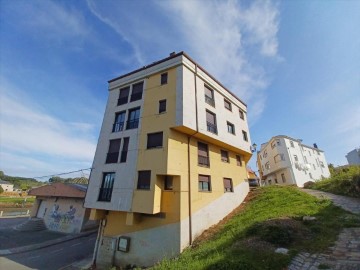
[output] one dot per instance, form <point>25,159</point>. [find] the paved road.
<point>10,222</point>
<point>52,257</point>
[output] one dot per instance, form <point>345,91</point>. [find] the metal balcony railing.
<point>211,127</point>
<point>122,100</point>
<point>118,127</point>
<point>105,194</point>
<point>132,124</point>
<point>136,96</point>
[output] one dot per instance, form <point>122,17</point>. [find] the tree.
<point>2,174</point>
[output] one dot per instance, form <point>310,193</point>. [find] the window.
<point>283,178</point>
<point>279,157</point>
<point>231,128</point>
<point>267,165</point>
<point>241,113</point>
<point>154,140</point>
<point>269,181</point>
<point>225,156</point>
<point>211,122</point>
<point>228,187</point>
<point>296,158</point>
<point>137,90</point>
<point>168,182</point>
<point>278,142</point>
<point>309,153</point>
<point>113,153</point>
<point>310,176</point>
<point>292,144</point>
<point>144,179</point>
<point>305,160</point>
<point>209,96</point>
<point>227,104</point>
<point>164,78</point>
<point>106,187</point>
<point>238,160</point>
<point>265,154</point>
<point>119,122</point>
<point>123,96</point>
<point>124,150</point>
<point>133,118</point>
<point>162,106</point>
<point>204,183</point>
<point>314,167</point>
<point>276,181</point>
<point>203,154</point>
<point>245,137</point>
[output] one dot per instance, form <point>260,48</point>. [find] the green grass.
<point>343,181</point>
<point>14,200</point>
<point>227,249</point>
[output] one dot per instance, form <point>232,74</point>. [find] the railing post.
<point>1,213</point>
<point>28,212</point>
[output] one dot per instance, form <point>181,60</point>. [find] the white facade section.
<point>125,173</point>
<point>198,106</point>
<point>286,161</point>
<point>6,186</point>
<point>353,157</point>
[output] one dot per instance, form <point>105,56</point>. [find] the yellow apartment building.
<point>170,161</point>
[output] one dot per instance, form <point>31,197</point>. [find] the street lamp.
<point>253,148</point>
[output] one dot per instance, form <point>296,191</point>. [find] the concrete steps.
<point>32,224</point>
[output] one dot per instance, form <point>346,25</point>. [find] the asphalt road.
<point>10,222</point>
<point>52,257</point>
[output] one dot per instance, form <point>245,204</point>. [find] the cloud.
<point>28,131</point>
<point>218,35</point>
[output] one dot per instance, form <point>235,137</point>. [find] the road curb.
<point>45,244</point>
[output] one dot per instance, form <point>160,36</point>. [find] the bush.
<point>343,181</point>
<point>309,184</point>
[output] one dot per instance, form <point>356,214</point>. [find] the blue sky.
<point>295,63</point>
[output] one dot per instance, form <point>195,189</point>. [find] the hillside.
<point>20,182</point>
<point>271,217</point>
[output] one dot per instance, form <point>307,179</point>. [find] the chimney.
<point>315,145</point>
<point>172,54</point>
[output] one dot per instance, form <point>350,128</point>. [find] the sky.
<point>295,63</point>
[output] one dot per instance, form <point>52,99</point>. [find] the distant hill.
<point>20,182</point>
<point>27,183</point>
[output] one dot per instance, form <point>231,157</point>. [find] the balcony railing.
<point>209,100</point>
<point>118,127</point>
<point>211,127</point>
<point>112,157</point>
<point>136,96</point>
<point>132,124</point>
<point>204,161</point>
<point>122,100</point>
<point>105,194</point>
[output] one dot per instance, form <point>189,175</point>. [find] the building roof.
<point>173,55</point>
<point>5,182</point>
<point>263,145</point>
<point>60,190</point>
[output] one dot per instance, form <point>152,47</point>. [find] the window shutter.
<point>124,92</point>
<point>202,149</point>
<point>204,178</point>
<point>114,146</point>
<point>210,117</point>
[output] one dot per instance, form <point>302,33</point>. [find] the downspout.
<point>97,243</point>
<point>189,164</point>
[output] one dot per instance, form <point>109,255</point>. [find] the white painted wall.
<point>307,168</point>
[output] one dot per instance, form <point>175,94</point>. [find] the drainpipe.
<point>97,243</point>
<point>189,163</point>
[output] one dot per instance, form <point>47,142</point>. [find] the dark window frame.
<point>228,185</point>
<point>164,78</point>
<point>168,182</point>
<point>225,156</point>
<point>209,99</point>
<point>162,106</point>
<point>144,180</point>
<point>105,191</point>
<point>154,142</point>
<point>125,149</point>
<point>203,159</point>
<point>123,99</point>
<point>112,155</point>
<point>136,93</point>
<point>238,160</point>
<point>245,136</point>
<point>211,126</point>
<point>242,115</point>
<point>230,128</point>
<point>228,105</point>
<point>133,123</point>
<point>119,125</point>
<point>202,179</point>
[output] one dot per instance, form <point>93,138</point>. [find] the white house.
<point>6,186</point>
<point>353,157</point>
<point>287,161</point>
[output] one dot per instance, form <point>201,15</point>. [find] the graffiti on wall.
<point>64,221</point>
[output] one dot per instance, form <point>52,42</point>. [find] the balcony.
<point>118,127</point>
<point>204,161</point>
<point>211,127</point>
<point>112,157</point>
<point>132,124</point>
<point>105,194</point>
<point>210,101</point>
<point>122,100</point>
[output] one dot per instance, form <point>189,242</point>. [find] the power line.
<point>62,173</point>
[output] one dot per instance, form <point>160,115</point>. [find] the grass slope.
<point>272,219</point>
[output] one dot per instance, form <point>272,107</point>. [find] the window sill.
<point>157,147</point>
<point>205,191</point>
